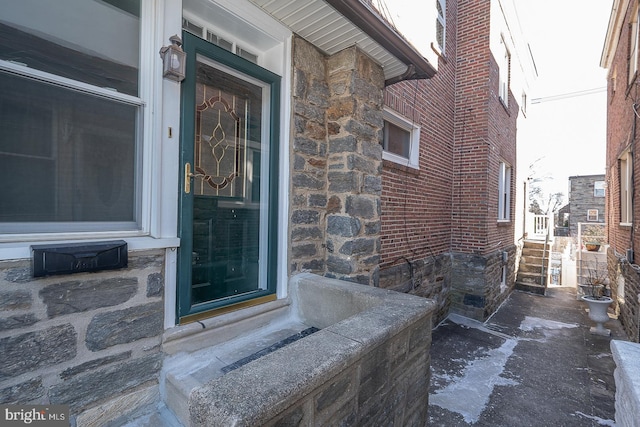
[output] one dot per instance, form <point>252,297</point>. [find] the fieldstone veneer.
<point>83,339</point>
<point>337,164</point>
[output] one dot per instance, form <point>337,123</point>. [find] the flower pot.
<point>592,247</point>
<point>598,313</point>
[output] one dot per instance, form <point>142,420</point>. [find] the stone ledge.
<point>356,321</point>
<point>627,378</point>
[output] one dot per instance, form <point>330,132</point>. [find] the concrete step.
<point>536,244</point>
<point>536,252</point>
<point>531,288</point>
<point>185,371</point>
<point>534,268</point>
<point>531,278</point>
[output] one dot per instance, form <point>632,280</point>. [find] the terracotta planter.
<point>592,247</point>
<point>598,313</point>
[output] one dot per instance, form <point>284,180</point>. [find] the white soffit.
<point>320,24</point>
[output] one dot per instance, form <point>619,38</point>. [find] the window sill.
<point>626,224</point>
<point>22,249</point>
<point>504,222</point>
<point>390,164</point>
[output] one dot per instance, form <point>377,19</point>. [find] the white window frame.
<point>236,48</point>
<point>442,20</point>
<point>143,140</point>
<point>626,188</point>
<point>504,65</point>
<point>634,40</point>
<point>504,192</point>
<point>592,215</point>
<point>413,161</point>
<point>154,231</point>
<point>599,189</point>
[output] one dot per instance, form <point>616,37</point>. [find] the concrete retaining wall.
<point>627,377</point>
<point>369,365</point>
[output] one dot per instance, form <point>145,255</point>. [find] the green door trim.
<point>185,311</point>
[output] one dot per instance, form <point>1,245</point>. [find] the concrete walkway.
<point>533,363</point>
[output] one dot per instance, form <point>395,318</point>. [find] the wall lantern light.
<point>173,60</point>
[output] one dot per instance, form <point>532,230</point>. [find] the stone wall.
<point>581,199</point>
<point>476,282</point>
<point>428,277</point>
<point>368,365</point>
<point>625,291</point>
<point>336,164</point>
<point>87,340</point>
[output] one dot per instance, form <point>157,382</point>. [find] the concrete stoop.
<point>331,354</point>
<point>186,372</point>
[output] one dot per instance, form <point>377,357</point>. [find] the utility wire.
<point>568,95</point>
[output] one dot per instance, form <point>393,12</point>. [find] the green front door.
<point>228,197</point>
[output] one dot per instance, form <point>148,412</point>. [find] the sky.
<point>564,137</point>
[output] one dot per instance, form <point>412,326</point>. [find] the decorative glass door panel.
<point>227,199</point>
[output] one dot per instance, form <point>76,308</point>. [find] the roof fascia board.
<point>616,20</point>
<point>371,24</point>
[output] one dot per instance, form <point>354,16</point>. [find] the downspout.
<point>369,21</point>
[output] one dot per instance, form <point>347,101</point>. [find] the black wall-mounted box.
<point>78,257</point>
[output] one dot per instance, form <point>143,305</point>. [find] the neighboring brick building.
<point>448,220</point>
<point>620,58</point>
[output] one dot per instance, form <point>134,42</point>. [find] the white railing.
<point>538,227</point>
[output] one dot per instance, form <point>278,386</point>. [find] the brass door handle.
<point>187,178</point>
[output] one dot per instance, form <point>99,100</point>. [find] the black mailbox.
<point>78,257</point>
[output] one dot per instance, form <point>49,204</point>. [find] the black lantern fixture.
<point>173,60</point>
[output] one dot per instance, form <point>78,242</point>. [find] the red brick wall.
<point>451,203</point>
<point>620,129</point>
<point>622,134</point>
<point>416,204</point>
<point>485,135</point>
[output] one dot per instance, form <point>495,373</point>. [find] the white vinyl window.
<point>504,63</point>
<point>626,187</point>
<point>634,40</point>
<point>401,140</point>
<point>71,117</point>
<point>441,24</point>
<point>592,215</point>
<point>504,192</point>
<point>598,189</point>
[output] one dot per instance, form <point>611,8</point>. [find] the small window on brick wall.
<point>401,140</point>
<point>504,190</point>
<point>592,215</point>
<point>625,164</point>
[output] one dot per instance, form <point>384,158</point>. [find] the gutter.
<point>365,18</point>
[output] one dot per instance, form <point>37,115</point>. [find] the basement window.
<point>401,140</point>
